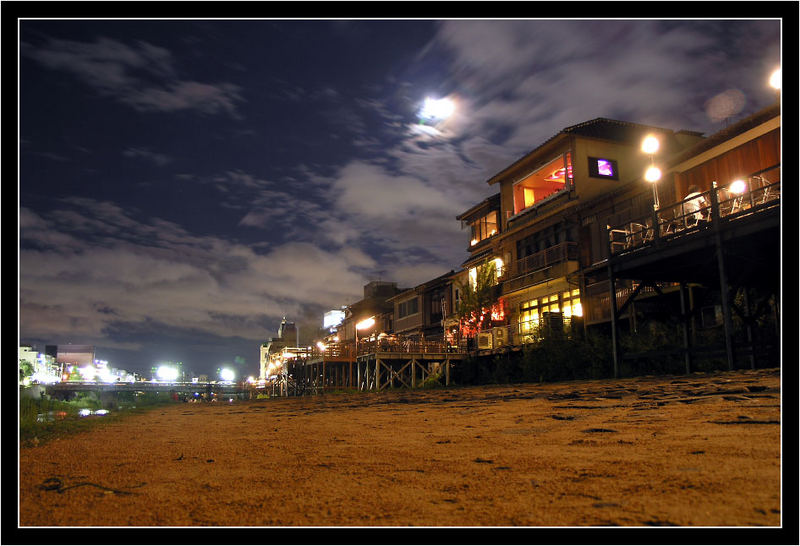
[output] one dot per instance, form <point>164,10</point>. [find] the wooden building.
<point>419,312</point>
<point>532,230</point>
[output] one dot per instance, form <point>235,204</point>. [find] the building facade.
<point>533,231</point>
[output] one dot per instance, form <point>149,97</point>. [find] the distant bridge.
<point>66,387</point>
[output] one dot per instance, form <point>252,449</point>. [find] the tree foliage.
<point>25,369</point>
<point>477,298</point>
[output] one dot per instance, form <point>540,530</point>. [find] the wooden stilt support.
<point>749,328</point>
<point>723,278</point>
<point>687,358</point>
<point>612,294</point>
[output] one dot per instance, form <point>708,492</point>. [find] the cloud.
<point>142,76</point>
<point>143,153</point>
<point>534,78</point>
<point>157,276</point>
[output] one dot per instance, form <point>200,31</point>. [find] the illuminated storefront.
<point>558,305</point>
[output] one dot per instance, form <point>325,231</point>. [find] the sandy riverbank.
<point>699,450</point>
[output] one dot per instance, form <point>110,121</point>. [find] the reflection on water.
<point>60,415</point>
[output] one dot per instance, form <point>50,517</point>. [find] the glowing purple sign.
<point>605,168</point>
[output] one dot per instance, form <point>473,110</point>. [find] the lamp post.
<point>363,325</point>
<point>650,146</point>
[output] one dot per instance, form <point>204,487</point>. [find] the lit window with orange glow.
<point>547,180</point>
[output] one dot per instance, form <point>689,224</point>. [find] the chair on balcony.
<point>619,238</point>
<point>770,193</point>
<point>639,234</point>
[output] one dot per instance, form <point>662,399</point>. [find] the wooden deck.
<point>376,371</point>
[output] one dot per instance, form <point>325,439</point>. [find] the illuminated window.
<point>530,312</point>
<point>552,178</point>
<point>528,317</point>
<point>484,228</point>
<point>498,264</point>
<point>473,272</point>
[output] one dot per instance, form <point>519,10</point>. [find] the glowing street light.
<point>364,325</point>
<point>775,79</point>
<point>652,174</point>
<point>226,374</point>
<point>650,146</point>
<point>738,186</point>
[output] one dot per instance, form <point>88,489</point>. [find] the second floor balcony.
<point>543,265</point>
<point>559,253</point>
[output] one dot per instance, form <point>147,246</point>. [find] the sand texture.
<point>696,450</point>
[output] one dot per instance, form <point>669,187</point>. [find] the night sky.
<point>185,184</point>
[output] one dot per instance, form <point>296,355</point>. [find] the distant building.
<point>76,355</point>
<point>288,335</point>
<point>377,304</point>
<point>43,367</point>
<point>332,319</point>
<point>419,312</point>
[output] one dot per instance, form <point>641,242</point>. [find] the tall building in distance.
<point>75,355</point>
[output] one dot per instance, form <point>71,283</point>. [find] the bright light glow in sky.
<point>437,109</point>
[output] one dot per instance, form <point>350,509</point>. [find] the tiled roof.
<point>487,204</point>
<point>612,129</point>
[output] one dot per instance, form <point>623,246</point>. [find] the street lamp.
<point>363,325</point>
<point>650,146</point>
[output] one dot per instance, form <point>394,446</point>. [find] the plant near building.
<point>478,297</point>
<point>25,369</point>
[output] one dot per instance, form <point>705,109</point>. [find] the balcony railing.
<point>559,253</point>
<point>759,191</point>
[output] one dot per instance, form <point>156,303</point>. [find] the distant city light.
<point>437,109</point>
<point>88,373</point>
<point>226,374</point>
<point>321,346</point>
<point>167,373</point>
